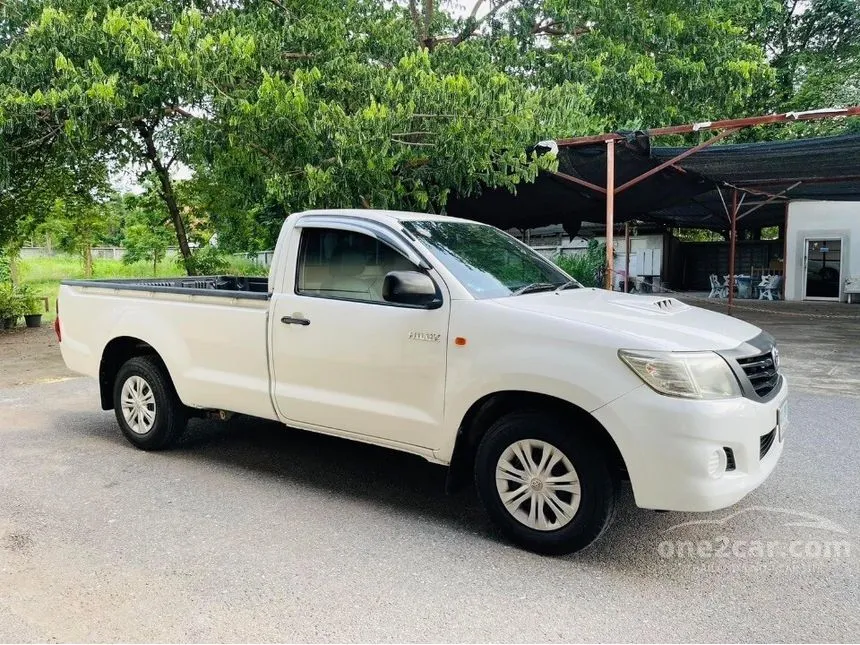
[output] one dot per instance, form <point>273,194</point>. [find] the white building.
<point>822,249</point>
<point>646,251</point>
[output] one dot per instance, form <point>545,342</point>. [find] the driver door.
<point>343,358</point>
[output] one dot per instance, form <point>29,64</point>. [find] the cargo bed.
<point>227,286</point>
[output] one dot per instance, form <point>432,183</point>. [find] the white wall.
<point>824,220</point>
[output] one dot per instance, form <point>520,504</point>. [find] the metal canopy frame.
<point>723,128</point>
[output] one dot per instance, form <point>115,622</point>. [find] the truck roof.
<point>384,215</point>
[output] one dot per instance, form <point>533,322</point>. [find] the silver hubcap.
<point>138,405</point>
<point>538,484</point>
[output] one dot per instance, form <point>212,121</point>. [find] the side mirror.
<point>411,288</point>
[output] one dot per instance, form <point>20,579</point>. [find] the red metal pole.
<point>810,115</point>
<point>732,240</point>
<point>785,253</point>
<point>579,182</point>
<point>770,199</point>
<point>676,159</point>
<point>626,255</point>
<point>610,213</point>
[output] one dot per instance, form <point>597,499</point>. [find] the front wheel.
<point>148,411</point>
<point>546,485</point>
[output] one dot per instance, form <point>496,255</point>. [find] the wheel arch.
<point>491,407</point>
<point>115,354</point>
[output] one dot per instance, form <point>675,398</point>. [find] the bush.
<point>26,302</point>
<point>17,301</point>
<point>5,268</point>
<point>586,266</point>
<point>244,266</point>
<point>7,301</point>
<point>206,260</point>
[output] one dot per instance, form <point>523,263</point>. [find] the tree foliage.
<point>147,236</point>
<point>118,80</point>
<point>273,106</point>
<point>814,47</point>
<point>78,223</point>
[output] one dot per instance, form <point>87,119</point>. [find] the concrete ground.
<point>819,341</point>
<point>249,531</point>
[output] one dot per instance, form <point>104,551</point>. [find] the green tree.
<point>372,120</point>
<point>643,62</point>
<point>281,105</point>
<point>146,237</point>
<point>814,48</point>
<point>119,79</point>
<point>78,224</point>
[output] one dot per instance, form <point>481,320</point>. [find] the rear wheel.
<point>147,409</point>
<point>546,486</point>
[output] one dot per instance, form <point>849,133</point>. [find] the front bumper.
<point>669,444</point>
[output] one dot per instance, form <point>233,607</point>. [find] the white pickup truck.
<point>451,340</point>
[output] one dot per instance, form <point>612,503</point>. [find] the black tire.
<point>170,417</point>
<point>596,508</point>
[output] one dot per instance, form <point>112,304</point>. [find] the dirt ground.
<point>30,356</point>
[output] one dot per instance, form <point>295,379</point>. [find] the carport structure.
<point>617,177</point>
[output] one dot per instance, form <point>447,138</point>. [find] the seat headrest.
<point>349,262</point>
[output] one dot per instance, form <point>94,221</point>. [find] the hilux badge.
<point>424,335</point>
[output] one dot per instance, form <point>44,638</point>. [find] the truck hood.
<point>648,322</point>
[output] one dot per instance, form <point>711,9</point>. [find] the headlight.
<point>691,375</point>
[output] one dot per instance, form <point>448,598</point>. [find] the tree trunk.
<point>14,273</point>
<point>88,261</point>
<point>167,194</point>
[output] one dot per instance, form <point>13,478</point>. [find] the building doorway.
<point>823,269</point>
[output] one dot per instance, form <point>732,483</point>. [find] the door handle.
<point>288,320</point>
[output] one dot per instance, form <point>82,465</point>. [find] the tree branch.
<point>270,155</point>
<point>278,4</point>
<point>556,28</point>
<point>472,24</point>
<point>413,143</point>
<point>416,21</point>
<point>176,110</point>
<point>29,144</point>
<point>428,23</point>
<point>473,14</point>
<point>168,195</point>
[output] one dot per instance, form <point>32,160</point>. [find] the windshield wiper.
<point>533,288</point>
<point>570,284</point>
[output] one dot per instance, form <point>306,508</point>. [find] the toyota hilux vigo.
<point>451,340</point>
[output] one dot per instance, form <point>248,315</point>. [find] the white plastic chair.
<point>716,288</point>
<point>771,291</point>
<point>765,281</point>
<point>726,279</point>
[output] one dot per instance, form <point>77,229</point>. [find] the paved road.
<point>253,532</point>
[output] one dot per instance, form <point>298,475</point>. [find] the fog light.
<point>717,463</point>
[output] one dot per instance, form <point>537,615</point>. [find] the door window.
<point>334,263</point>
<point>823,266</point>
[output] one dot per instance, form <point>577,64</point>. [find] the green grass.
<point>44,274</point>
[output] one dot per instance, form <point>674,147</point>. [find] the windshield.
<point>488,262</point>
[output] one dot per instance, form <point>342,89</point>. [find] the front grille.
<point>765,443</point>
<point>761,372</point>
<point>730,459</point>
